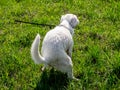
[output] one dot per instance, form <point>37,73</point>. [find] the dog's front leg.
<point>43,68</point>
<point>70,70</point>
<point>70,74</point>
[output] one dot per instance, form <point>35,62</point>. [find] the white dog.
<point>57,46</point>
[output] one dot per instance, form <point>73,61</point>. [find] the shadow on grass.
<point>52,80</point>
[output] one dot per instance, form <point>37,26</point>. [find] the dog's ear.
<point>62,18</point>
<point>74,21</point>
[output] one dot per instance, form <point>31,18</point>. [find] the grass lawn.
<point>96,52</point>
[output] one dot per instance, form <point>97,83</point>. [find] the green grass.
<point>96,52</point>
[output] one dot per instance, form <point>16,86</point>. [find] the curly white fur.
<point>57,46</point>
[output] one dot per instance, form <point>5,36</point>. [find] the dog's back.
<point>55,43</point>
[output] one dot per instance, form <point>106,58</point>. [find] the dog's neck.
<point>66,25</point>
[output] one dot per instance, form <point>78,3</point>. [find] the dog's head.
<point>71,18</point>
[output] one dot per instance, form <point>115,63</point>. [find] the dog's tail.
<point>37,58</point>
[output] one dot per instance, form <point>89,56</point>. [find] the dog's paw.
<point>75,79</point>
<point>42,69</point>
